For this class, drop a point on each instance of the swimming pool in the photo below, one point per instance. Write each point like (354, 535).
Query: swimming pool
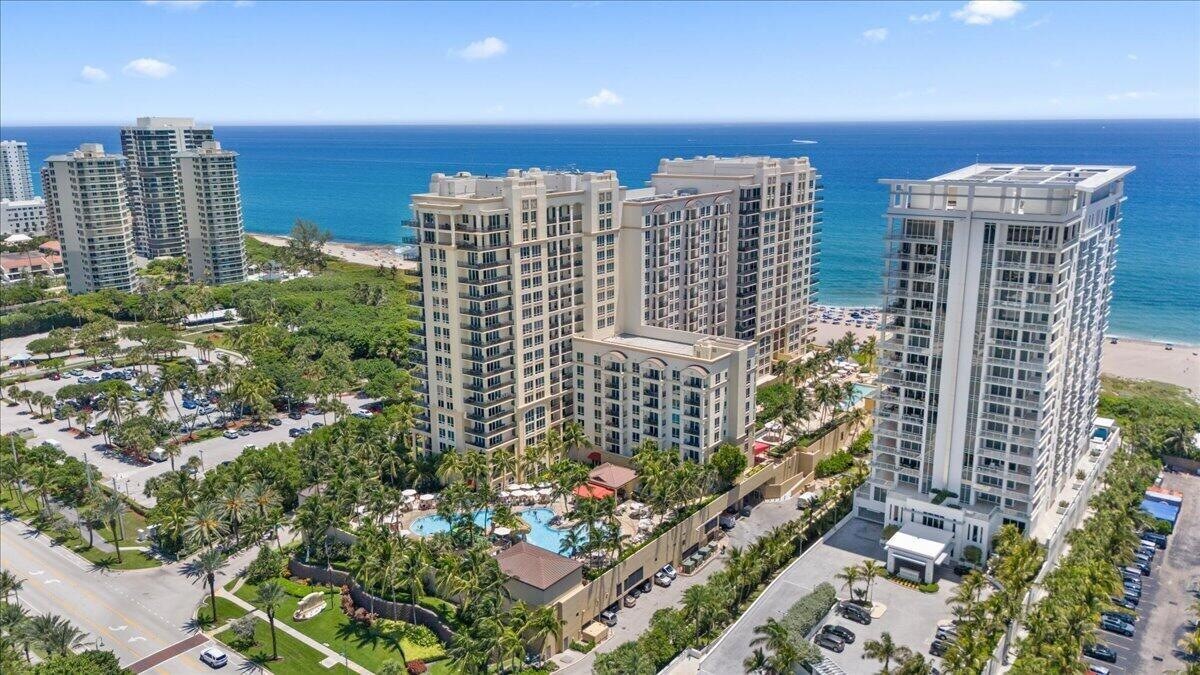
(541, 534)
(860, 392)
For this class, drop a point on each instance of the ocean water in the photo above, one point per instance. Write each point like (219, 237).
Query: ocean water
(356, 181)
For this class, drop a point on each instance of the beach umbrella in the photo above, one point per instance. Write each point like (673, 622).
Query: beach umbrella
(502, 531)
(409, 492)
(426, 498)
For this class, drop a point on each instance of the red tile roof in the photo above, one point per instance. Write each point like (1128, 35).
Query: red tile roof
(534, 565)
(611, 476)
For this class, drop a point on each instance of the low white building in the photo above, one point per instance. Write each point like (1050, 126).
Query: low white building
(23, 216)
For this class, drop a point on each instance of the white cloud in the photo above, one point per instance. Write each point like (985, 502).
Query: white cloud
(481, 49)
(927, 17)
(984, 12)
(92, 74)
(1038, 22)
(1132, 57)
(875, 34)
(175, 4)
(152, 68)
(1131, 95)
(602, 98)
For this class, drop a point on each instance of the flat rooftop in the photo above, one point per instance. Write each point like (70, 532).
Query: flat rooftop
(1084, 177)
(652, 344)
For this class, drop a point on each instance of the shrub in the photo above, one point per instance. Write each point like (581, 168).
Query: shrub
(890, 531)
(809, 610)
(582, 647)
(416, 667)
(861, 445)
(243, 632)
(267, 565)
(834, 464)
(973, 554)
(1163, 527)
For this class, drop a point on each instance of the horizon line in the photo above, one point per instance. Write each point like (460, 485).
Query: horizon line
(644, 122)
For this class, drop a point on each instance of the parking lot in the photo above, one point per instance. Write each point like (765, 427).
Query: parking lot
(1162, 612)
(911, 616)
(130, 475)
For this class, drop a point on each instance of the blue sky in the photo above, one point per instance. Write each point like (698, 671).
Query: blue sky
(313, 62)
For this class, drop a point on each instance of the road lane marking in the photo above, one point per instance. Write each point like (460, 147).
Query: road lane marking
(118, 628)
(137, 638)
(52, 581)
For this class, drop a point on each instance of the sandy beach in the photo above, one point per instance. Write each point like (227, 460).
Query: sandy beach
(1134, 359)
(363, 254)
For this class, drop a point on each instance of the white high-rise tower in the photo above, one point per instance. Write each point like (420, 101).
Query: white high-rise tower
(16, 183)
(85, 204)
(212, 214)
(150, 147)
(997, 288)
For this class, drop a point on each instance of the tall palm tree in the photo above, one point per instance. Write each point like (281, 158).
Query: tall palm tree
(773, 635)
(10, 584)
(871, 570)
(849, 576)
(269, 597)
(111, 511)
(54, 634)
(205, 525)
(756, 663)
(207, 565)
(233, 505)
(885, 650)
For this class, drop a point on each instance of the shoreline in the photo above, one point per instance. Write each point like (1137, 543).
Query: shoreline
(372, 255)
(1130, 358)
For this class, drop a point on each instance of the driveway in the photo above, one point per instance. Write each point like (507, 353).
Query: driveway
(910, 616)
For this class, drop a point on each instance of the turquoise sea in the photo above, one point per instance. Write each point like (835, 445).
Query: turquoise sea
(356, 180)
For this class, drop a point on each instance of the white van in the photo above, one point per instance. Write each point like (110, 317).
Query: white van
(158, 454)
(806, 500)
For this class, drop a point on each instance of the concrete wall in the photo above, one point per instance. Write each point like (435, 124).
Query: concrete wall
(580, 607)
(401, 611)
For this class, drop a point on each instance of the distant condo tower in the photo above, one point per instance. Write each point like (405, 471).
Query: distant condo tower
(16, 183)
(86, 204)
(212, 214)
(997, 287)
(150, 148)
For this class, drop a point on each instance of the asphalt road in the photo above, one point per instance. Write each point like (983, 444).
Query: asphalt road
(135, 613)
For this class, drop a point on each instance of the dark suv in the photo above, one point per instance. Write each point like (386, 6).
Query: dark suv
(842, 632)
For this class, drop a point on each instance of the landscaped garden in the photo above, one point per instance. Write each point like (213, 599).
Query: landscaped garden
(295, 657)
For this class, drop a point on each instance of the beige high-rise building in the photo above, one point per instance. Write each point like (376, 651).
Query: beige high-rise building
(86, 204)
(744, 267)
(150, 147)
(997, 286)
(212, 214)
(552, 296)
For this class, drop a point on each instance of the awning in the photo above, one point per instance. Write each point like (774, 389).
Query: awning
(921, 542)
(593, 491)
(594, 456)
(761, 447)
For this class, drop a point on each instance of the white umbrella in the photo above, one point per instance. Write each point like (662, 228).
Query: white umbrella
(18, 238)
(409, 498)
(502, 531)
(409, 492)
(426, 498)
(504, 494)
(543, 486)
(545, 492)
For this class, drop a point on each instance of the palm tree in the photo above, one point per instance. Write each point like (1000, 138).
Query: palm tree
(269, 597)
(10, 584)
(112, 511)
(871, 570)
(849, 576)
(885, 651)
(205, 526)
(208, 564)
(233, 505)
(756, 663)
(574, 437)
(54, 634)
(773, 635)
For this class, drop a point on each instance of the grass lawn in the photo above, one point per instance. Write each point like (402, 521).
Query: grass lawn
(295, 657)
(226, 610)
(331, 627)
(72, 538)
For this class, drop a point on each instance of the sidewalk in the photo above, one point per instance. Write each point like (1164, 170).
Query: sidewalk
(331, 657)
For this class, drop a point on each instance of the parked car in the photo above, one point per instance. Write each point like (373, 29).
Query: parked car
(274, 421)
(296, 414)
(243, 432)
(854, 612)
(214, 658)
(946, 633)
(646, 586)
(630, 600)
(1122, 602)
(75, 372)
(842, 632)
(1114, 625)
(230, 434)
(1133, 599)
(1127, 617)
(362, 415)
(189, 404)
(295, 432)
(317, 425)
(661, 579)
(1159, 540)
(939, 647)
(1100, 652)
(54, 376)
(609, 616)
(669, 570)
(830, 642)
(726, 522)
(158, 454)
(1097, 670)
